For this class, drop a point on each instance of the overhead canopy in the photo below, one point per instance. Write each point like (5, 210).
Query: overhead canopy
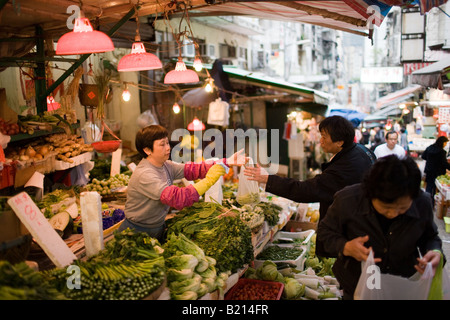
(384, 113)
(276, 84)
(434, 75)
(398, 96)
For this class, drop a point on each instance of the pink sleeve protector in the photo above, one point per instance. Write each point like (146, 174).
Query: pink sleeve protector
(194, 171)
(179, 198)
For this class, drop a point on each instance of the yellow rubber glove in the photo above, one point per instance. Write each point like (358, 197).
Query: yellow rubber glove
(213, 174)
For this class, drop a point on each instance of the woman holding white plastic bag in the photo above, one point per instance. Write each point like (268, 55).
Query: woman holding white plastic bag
(387, 213)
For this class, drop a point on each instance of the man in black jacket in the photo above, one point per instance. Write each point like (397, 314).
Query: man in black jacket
(388, 213)
(348, 165)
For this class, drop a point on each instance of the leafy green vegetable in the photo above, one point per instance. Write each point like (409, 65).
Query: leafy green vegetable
(184, 261)
(292, 289)
(191, 284)
(179, 275)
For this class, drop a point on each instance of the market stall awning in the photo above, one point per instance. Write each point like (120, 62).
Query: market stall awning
(434, 75)
(384, 113)
(398, 96)
(276, 84)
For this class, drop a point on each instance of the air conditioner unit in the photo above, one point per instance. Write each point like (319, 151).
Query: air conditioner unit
(207, 50)
(171, 49)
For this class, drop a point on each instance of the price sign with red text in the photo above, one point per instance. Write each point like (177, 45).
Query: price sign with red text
(41, 230)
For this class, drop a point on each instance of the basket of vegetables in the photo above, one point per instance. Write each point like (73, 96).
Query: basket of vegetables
(294, 256)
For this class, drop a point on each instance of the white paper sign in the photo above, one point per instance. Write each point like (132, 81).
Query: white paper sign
(41, 230)
(115, 162)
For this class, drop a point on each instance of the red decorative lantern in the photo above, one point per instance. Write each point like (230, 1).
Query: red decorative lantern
(196, 125)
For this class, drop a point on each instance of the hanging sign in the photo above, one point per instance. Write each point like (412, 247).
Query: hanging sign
(41, 230)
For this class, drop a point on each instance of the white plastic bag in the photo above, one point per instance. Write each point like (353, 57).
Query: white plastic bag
(374, 285)
(215, 193)
(248, 190)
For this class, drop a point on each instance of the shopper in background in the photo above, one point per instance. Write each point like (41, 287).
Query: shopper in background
(349, 162)
(391, 146)
(151, 192)
(404, 139)
(436, 163)
(388, 213)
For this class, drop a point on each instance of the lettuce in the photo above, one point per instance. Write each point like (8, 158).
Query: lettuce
(183, 261)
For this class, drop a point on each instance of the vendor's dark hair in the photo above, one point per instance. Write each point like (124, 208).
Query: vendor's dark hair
(339, 129)
(440, 141)
(391, 178)
(146, 136)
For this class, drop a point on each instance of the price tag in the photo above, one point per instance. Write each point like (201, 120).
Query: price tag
(41, 230)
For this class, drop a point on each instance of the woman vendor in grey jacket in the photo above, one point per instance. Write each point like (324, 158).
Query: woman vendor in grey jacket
(151, 192)
(388, 213)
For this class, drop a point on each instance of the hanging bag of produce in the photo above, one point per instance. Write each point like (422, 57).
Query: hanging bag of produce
(248, 190)
(374, 285)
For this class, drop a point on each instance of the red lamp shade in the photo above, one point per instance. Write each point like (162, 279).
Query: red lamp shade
(139, 60)
(83, 39)
(181, 74)
(196, 125)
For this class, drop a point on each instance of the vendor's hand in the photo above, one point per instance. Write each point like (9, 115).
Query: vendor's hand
(256, 174)
(213, 174)
(237, 159)
(355, 248)
(431, 256)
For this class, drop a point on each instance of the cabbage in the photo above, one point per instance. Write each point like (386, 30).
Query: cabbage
(180, 243)
(211, 260)
(187, 295)
(202, 290)
(193, 284)
(183, 261)
(292, 289)
(209, 273)
(179, 275)
(268, 271)
(202, 265)
(210, 283)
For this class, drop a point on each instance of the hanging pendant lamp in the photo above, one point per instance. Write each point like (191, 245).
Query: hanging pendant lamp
(181, 74)
(83, 39)
(139, 60)
(196, 125)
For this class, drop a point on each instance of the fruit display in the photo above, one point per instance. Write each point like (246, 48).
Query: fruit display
(8, 128)
(108, 186)
(62, 145)
(444, 180)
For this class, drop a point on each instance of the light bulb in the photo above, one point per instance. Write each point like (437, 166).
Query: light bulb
(176, 108)
(126, 95)
(198, 64)
(208, 87)
(196, 122)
